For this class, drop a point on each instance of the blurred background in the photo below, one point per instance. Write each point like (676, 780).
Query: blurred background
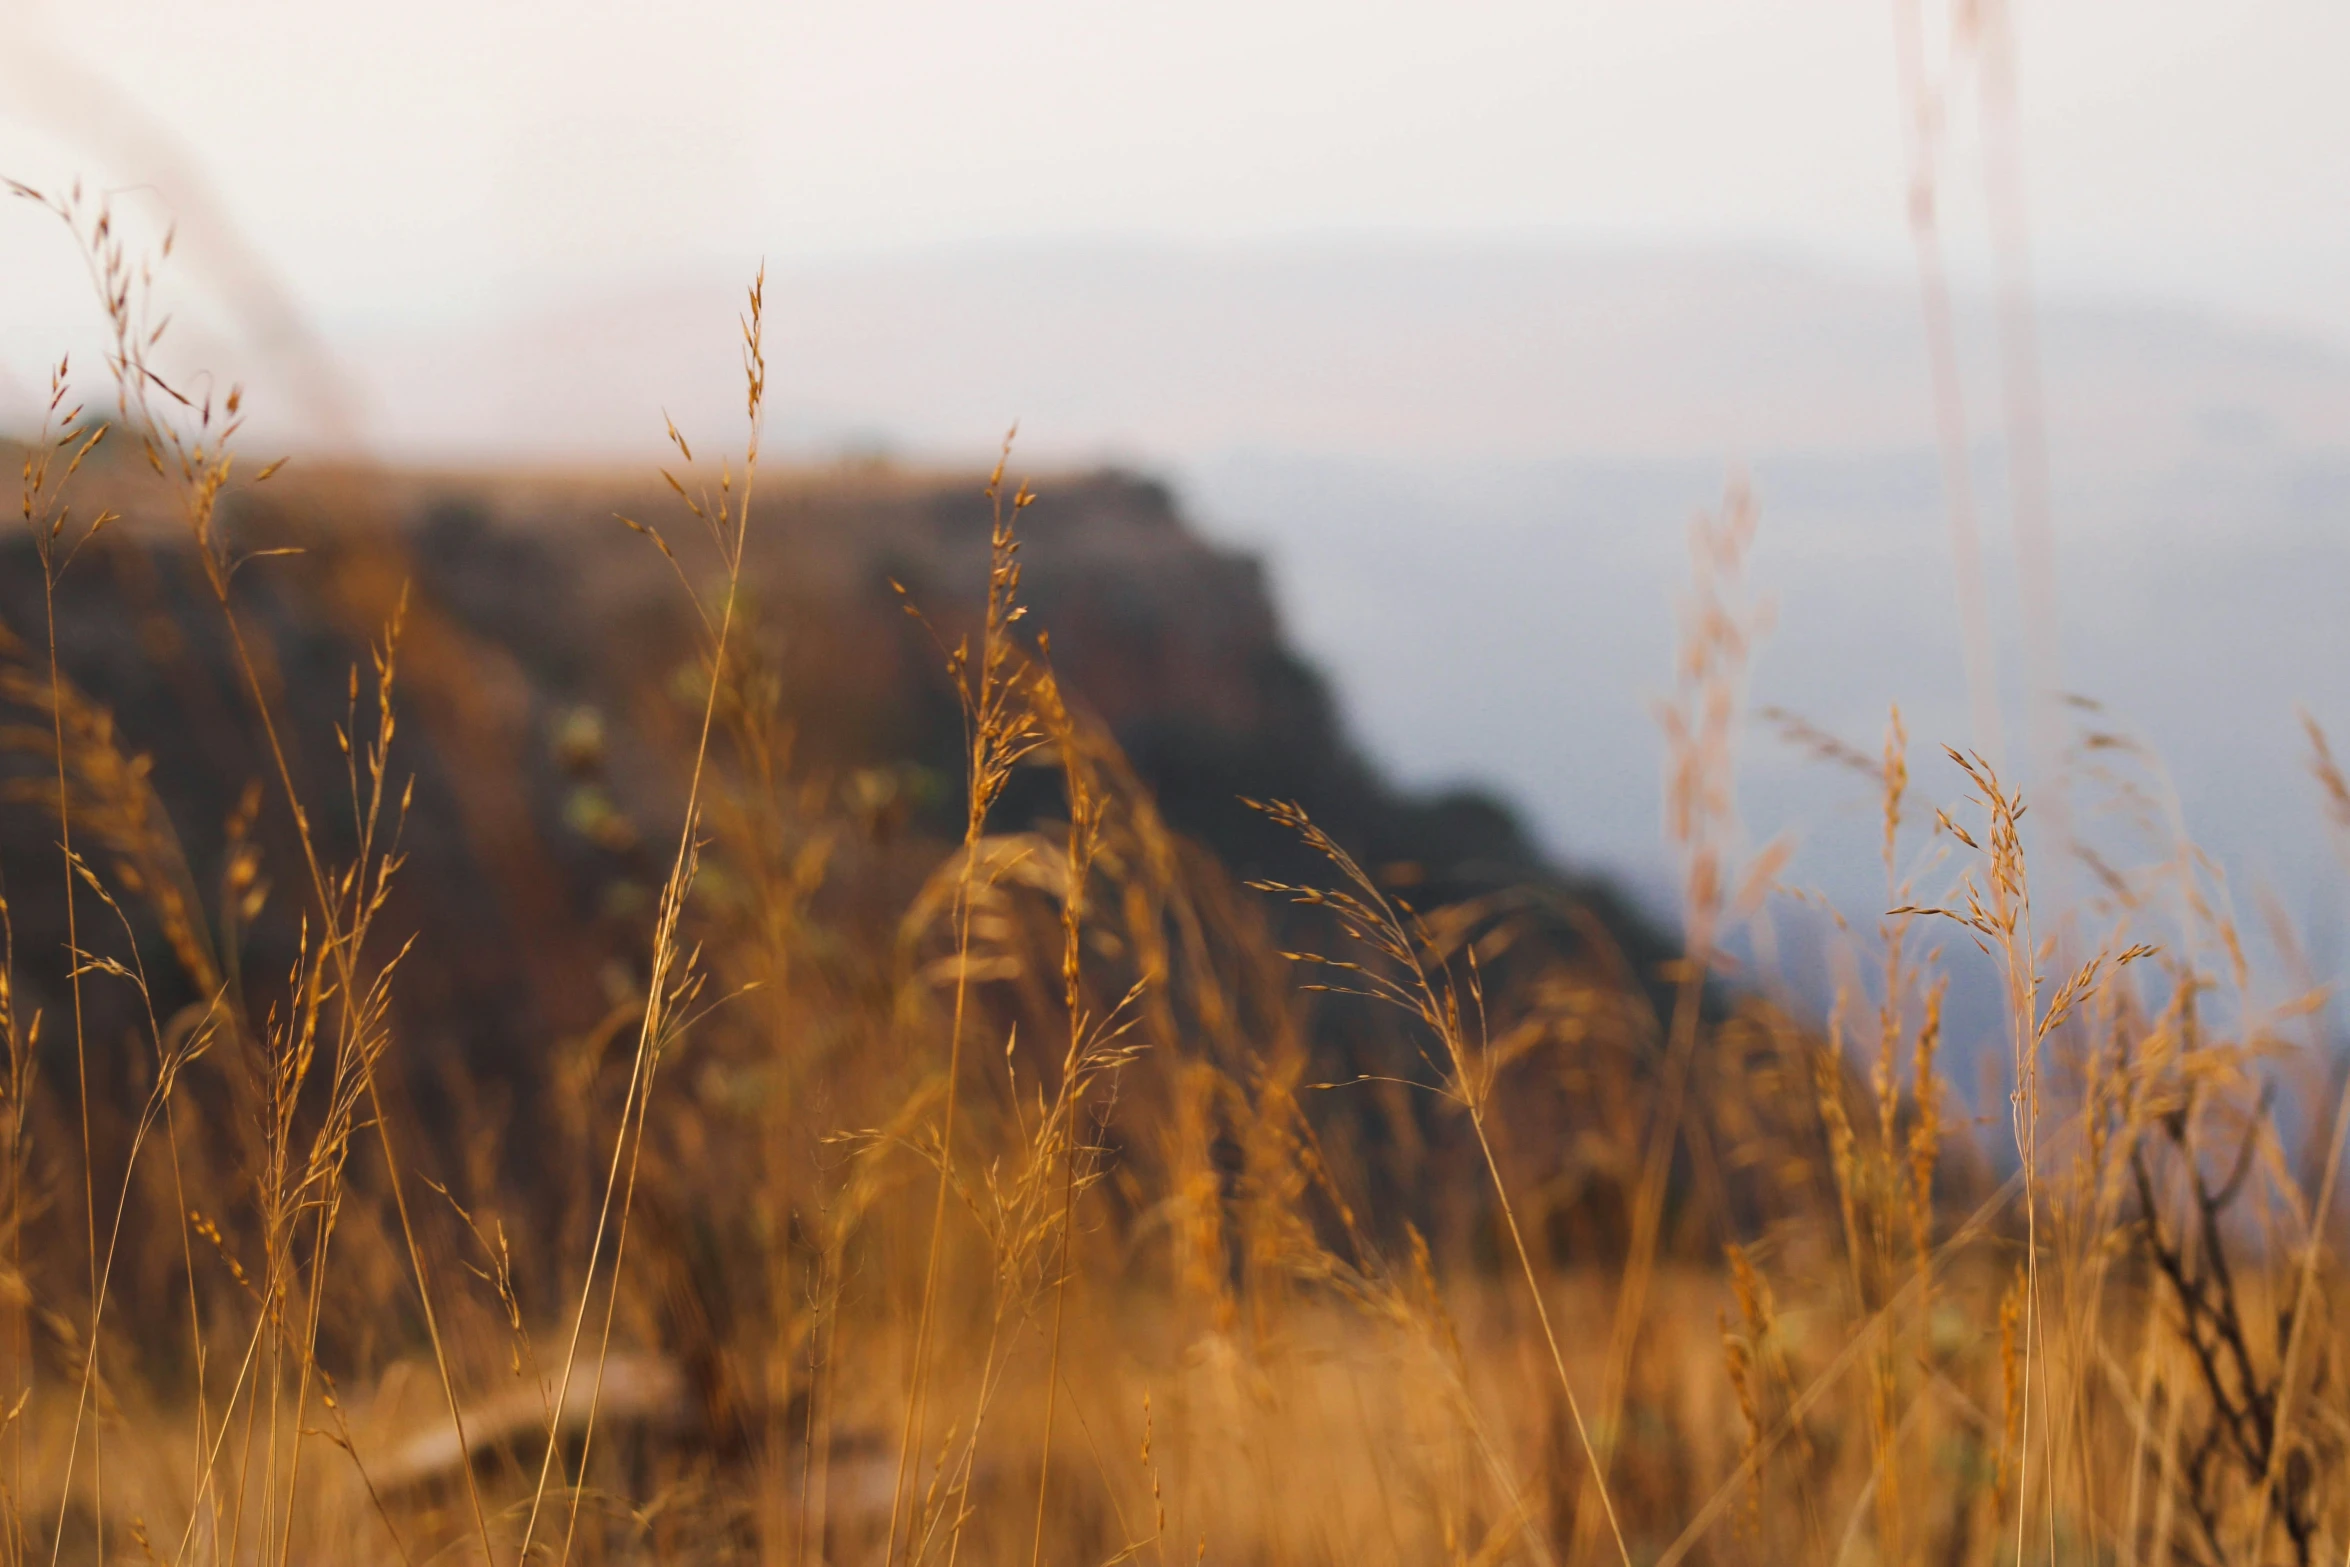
(1455, 315)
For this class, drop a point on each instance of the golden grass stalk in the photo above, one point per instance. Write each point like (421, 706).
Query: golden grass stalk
(1401, 975)
(1000, 731)
(1720, 627)
(65, 442)
(674, 981)
(188, 441)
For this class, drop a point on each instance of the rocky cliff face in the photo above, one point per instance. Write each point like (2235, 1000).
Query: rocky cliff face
(1172, 642)
(545, 651)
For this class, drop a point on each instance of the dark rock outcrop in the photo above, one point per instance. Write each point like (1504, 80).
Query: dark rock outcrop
(544, 651)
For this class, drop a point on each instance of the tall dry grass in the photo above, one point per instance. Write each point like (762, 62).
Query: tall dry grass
(1062, 1214)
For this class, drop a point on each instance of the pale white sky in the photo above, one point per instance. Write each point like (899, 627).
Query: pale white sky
(423, 159)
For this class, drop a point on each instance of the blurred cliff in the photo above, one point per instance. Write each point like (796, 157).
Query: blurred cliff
(545, 651)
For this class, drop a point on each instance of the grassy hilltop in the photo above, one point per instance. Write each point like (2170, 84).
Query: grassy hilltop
(871, 1016)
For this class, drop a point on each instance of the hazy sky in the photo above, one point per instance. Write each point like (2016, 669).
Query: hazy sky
(436, 156)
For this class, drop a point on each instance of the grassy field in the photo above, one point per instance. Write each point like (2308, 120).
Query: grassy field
(995, 1200)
